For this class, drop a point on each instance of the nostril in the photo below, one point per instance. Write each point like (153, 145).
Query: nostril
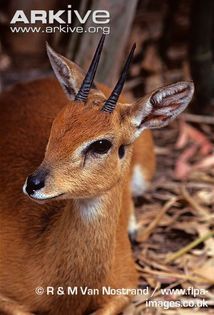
(34, 183)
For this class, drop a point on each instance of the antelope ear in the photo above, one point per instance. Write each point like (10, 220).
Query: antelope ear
(161, 106)
(69, 74)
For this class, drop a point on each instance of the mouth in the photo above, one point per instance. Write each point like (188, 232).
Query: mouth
(42, 198)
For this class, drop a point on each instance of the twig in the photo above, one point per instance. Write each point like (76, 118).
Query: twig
(198, 118)
(154, 264)
(197, 279)
(144, 235)
(204, 212)
(187, 248)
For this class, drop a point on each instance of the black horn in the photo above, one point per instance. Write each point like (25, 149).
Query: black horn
(112, 100)
(88, 81)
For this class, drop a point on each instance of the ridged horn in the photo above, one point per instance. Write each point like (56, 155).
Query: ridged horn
(88, 81)
(111, 102)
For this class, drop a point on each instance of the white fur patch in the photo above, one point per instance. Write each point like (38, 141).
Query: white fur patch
(133, 226)
(90, 208)
(138, 183)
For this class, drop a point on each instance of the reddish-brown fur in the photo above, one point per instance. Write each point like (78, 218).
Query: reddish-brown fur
(82, 240)
(31, 255)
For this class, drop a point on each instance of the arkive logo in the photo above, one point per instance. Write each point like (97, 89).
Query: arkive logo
(63, 21)
(61, 16)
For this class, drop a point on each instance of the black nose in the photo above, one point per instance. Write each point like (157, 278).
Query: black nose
(35, 182)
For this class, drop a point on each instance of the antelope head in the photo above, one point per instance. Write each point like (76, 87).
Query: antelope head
(91, 139)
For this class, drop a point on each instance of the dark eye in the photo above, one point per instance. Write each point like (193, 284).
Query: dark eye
(100, 146)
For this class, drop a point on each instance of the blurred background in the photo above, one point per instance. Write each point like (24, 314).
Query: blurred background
(174, 42)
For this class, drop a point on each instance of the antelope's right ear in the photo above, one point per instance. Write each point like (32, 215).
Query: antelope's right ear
(69, 74)
(160, 107)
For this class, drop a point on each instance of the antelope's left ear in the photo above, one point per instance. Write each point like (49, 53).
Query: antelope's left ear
(68, 73)
(160, 107)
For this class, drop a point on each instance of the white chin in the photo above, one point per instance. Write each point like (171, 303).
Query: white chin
(41, 198)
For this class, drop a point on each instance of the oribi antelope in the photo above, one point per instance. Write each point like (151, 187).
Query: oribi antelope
(87, 150)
